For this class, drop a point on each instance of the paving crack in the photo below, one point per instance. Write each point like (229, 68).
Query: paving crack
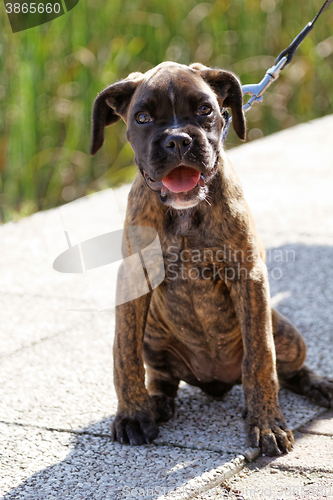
(56, 429)
(33, 344)
(37, 296)
(106, 435)
(301, 469)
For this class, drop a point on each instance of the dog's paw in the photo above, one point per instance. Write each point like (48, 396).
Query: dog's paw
(134, 428)
(164, 407)
(271, 434)
(319, 390)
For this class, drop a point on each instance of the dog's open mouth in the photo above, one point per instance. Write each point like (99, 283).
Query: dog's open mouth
(183, 187)
(181, 179)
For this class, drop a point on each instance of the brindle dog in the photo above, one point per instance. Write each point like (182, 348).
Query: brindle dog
(214, 328)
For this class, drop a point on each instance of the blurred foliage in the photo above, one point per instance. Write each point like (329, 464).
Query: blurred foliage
(50, 75)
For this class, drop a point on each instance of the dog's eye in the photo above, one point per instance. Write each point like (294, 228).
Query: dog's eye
(205, 109)
(143, 118)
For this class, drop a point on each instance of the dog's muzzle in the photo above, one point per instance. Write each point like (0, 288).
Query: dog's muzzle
(180, 180)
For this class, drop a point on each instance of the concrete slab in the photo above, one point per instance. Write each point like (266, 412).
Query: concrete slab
(306, 473)
(27, 450)
(287, 179)
(66, 383)
(56, 372)
(304, 294)
(26, 248)
(322, 425)
(201, 422)
(310, 453)
(273, 484)
(27, 319)
(45, 465)
(26, 265)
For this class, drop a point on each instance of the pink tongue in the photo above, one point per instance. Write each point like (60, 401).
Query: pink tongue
(181, 179)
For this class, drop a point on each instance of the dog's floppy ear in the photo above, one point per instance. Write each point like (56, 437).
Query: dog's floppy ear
(229, 94)
(111, 105)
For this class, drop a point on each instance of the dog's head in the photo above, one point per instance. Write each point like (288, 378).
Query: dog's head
(174, 125)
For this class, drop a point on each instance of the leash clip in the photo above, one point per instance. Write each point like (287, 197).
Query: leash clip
(256, 90)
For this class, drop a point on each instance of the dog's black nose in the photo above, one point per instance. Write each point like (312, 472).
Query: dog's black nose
(179, 142)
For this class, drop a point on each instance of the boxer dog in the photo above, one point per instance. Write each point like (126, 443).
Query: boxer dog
(214, 327)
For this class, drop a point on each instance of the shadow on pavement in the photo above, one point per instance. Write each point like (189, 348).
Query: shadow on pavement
(96, 468)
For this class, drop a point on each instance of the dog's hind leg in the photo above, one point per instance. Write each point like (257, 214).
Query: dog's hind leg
(163, 390)
(290, 356)
(289, 346)
(162, 385)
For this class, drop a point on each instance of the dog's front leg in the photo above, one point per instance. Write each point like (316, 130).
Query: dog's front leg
(265, 424)
(135, 422)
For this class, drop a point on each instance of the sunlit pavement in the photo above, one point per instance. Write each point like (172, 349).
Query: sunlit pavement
(57, 397)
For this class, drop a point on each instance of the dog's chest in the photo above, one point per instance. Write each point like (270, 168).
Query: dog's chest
(190, 263)
(194, 299)
(195, 317)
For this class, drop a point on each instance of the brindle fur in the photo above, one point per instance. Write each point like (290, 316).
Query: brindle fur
(212, 333)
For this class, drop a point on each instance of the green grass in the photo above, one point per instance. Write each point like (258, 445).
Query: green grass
(50, 75)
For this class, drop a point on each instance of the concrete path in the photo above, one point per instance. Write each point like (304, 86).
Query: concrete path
(304, 474)
(56, 392)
